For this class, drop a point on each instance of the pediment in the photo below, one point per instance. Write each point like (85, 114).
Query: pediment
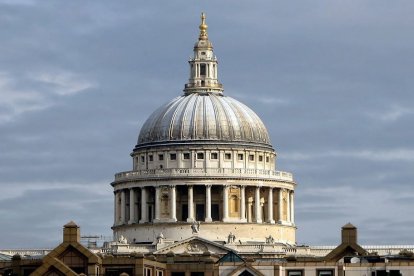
(194, 246)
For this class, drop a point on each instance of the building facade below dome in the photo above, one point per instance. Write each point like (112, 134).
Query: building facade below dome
(204, 166)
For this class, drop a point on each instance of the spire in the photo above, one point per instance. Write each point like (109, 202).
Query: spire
(203, 28)
(203, 65)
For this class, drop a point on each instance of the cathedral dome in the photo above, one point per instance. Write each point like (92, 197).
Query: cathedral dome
(201, 117)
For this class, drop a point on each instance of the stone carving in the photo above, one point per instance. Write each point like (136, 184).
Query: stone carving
(122, 240)
(231, 238)
(195, 227)
(270, 239)
(160, 238)
(196, 247)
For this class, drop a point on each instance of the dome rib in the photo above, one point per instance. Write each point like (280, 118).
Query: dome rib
(204, 117)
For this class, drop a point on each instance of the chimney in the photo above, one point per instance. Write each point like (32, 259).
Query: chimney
(349, 234)
(71, 232)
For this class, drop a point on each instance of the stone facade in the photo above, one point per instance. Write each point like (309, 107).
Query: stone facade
(206, 158)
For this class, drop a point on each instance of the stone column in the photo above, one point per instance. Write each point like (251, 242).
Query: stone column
(280, 209)
(115, 208)
(288, 206)
(270, 206)
(190, 204)
(243, 203)
(131, 206)
(292, 207)
(173, 207)
(157, 203)
(257, 209)
(225, 203)
(208, 204)
(144, 217)
(249, 210)
(122, 207)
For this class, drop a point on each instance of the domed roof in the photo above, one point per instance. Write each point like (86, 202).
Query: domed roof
(204, 116)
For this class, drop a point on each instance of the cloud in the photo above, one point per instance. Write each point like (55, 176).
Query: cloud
(63, 84)
(21, 94)
(393, 113)
(399, 154)
(17, 2)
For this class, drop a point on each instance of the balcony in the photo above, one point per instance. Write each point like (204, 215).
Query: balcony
(204, 173)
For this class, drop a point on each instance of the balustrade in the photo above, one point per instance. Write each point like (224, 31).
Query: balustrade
(203, 172)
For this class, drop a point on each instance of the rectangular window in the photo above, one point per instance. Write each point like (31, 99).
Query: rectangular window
(186, 156)
(214, 155)
(173, 156)
(160, 273)
(202, 69)
(324, 272)
(251, 157)
(294, 273)
(151, 158)
(200, 155)
(160, 157)
(267, 159)
(260, 158)
(240, 156)
(142, 158)
(227, 156)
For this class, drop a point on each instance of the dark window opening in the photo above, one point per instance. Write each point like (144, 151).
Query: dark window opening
(267, 159)
(200, 155)
(184, 212)
(200, 212)
(160, 157)
(186, 155)
(214, 155)
(251, 157)
(260, 158)
(173, 156)
(227, 156)
(240, 156)
(142, 158)
(215, 214)
(151, 158)
(202, 69)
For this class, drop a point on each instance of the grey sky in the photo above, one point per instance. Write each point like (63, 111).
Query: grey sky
(332, 80)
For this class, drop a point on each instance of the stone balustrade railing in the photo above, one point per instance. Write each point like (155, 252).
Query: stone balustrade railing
(204, 172)
(25, 252)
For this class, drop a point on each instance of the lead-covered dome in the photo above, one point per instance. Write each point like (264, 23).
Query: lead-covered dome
(208, 116)
(203, 113)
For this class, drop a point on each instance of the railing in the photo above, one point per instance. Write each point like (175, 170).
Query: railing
(204, 172)
(25, 252)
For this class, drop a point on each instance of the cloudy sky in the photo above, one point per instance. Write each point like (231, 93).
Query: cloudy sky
(332, 80)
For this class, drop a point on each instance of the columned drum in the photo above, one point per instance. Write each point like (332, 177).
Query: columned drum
(204, 166)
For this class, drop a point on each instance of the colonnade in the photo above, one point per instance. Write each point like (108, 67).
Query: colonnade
(259, 207)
